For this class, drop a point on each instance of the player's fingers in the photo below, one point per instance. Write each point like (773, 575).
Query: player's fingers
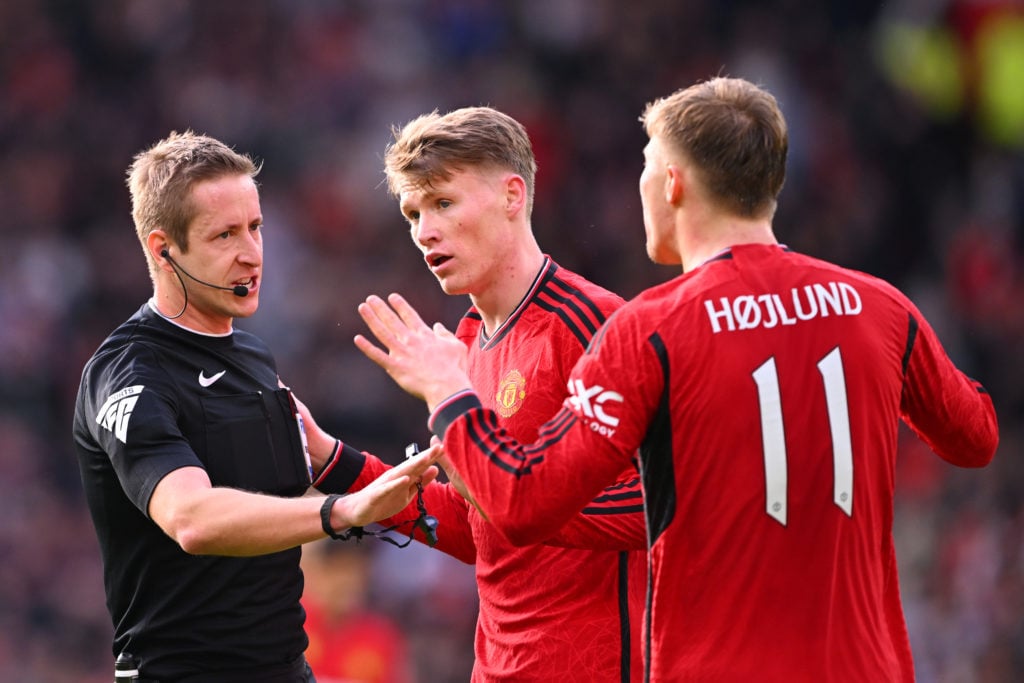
(372, 351)
(409, 315)
(382, 321)
(373, 321)
(443, 332)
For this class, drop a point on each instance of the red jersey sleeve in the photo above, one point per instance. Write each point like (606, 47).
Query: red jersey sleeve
(353, 470)
(496, 466)
(611, 521)
(950, 412)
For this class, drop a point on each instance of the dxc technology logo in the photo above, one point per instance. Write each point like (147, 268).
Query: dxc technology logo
(592, 401)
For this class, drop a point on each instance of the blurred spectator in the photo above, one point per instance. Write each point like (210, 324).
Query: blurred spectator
(349, 642)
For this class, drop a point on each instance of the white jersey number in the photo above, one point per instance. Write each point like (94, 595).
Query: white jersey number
(773, 435)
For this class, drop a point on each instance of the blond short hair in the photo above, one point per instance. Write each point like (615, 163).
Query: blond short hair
(431, 146)
(734, 134)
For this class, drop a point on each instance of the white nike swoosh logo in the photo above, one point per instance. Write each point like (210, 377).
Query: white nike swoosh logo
(207, 381)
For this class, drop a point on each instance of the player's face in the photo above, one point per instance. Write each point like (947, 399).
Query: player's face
(658, 217)
(225, 248)
(461, 225)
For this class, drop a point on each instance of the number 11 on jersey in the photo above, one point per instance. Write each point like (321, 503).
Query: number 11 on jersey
(773, 435)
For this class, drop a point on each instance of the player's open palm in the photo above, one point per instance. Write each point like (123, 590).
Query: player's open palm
(428, 362)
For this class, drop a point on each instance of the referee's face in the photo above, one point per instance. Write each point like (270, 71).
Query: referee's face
(225, 250)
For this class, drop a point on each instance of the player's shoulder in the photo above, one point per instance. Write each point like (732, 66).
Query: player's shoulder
(571, 304)
(469, 325)
(866, 283)
(564, 288)
(655, 309)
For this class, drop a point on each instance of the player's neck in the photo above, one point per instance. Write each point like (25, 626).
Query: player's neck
(507, 288)
(698, 246)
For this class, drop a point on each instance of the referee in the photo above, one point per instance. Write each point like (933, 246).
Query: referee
(191, 454)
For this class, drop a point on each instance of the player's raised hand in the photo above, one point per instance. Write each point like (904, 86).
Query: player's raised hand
(429, 363)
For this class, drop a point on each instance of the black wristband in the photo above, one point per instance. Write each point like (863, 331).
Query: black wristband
(325, 516)
(341, 470)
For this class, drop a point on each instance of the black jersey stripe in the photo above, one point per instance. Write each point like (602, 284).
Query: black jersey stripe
(578, 311)
(556, 423)
(597, 317)
(629, 484)
(478, 434)
(520, 461)
(911, 338)
(584, 337)
(491, 439)
(623, 510)
(546, 271)
(569, 302)
(552, 436)
(633, 494)
(656, 457)
(621, 498)
(624, 630)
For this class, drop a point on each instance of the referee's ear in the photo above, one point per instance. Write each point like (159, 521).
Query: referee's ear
(159, 248)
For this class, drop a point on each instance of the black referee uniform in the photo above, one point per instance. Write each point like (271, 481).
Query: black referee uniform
(156, 397)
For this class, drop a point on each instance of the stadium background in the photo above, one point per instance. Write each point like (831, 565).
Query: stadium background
(907, 129)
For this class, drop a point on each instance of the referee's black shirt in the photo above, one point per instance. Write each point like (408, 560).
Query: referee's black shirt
(156, 397)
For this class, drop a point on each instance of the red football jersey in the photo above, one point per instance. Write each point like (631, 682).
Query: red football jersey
(763, 391)
(548, 612)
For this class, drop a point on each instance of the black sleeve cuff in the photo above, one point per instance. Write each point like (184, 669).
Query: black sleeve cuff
(341, 471)
(450, 410)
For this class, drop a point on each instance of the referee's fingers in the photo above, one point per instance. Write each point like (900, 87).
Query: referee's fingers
(418, 465)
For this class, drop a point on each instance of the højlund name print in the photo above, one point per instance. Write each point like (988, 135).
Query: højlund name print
(751, 311)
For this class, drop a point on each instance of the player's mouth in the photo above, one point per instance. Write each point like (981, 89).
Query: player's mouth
(435, 261)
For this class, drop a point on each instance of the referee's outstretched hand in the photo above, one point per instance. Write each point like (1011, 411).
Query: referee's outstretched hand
(428, 362)
(389, 493)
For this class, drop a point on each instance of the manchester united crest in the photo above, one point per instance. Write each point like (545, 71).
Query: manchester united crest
(511, 392)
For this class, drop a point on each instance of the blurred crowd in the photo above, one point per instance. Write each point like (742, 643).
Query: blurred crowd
(907, 161)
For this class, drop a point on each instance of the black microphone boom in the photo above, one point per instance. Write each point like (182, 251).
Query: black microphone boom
(237, 290)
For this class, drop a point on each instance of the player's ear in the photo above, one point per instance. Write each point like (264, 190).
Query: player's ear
(675, 184)
(515, 193)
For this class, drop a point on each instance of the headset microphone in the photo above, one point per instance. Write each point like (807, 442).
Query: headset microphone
(237, 290)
